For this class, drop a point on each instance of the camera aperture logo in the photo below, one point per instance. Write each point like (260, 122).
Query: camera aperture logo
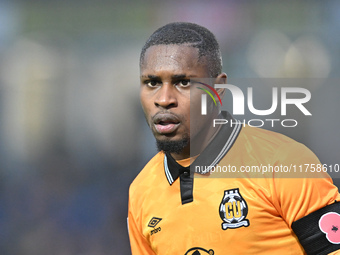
(204, 97)
(239, 100)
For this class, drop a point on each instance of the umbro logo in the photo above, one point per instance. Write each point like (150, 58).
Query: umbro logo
(153, 223)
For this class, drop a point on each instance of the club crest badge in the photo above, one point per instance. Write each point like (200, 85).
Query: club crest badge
(233, 210)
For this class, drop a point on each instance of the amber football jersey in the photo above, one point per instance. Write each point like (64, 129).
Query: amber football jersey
(177, 209)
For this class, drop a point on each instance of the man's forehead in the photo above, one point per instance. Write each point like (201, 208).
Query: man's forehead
(170, 52)
(176, 57)
(167, 49)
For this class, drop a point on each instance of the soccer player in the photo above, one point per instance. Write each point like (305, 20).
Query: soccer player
(173, 212)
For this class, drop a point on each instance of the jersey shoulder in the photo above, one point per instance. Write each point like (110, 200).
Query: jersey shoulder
(263, 136)
(149, 174)
(264, 147)
(268, 142)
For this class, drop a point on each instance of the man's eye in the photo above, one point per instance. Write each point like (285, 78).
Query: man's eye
(184, 83)
(151, 83)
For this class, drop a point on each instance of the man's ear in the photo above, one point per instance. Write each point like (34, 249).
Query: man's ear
(221, 79)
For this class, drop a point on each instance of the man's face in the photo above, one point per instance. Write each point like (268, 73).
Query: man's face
(165, 91)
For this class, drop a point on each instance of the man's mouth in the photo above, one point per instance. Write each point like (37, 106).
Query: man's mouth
(165, 123)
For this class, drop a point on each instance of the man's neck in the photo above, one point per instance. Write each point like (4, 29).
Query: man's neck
(199, 143)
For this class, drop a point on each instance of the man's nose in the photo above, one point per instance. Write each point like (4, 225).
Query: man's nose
(166, 96)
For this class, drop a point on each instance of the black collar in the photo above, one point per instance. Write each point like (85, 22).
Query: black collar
(211, 155)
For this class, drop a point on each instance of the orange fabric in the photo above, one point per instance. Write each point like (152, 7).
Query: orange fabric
(273, 200)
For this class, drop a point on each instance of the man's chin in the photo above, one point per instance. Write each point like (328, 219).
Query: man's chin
(172, 146)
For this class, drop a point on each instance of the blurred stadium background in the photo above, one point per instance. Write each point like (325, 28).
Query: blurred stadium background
(72, 131)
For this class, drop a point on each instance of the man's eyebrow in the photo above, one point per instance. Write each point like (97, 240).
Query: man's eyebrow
(178, 76)
(175, 76)
(150, 76)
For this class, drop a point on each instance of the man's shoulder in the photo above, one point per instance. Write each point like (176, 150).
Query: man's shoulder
(270, 144)
(265, 135)
(266, 139)
(148, 174)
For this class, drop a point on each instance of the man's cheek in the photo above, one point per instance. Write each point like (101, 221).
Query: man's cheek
(195, 109)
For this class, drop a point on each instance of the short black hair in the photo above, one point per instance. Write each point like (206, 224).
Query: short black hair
(189, 34)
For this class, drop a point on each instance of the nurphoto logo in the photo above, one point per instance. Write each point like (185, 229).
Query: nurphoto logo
(239, 105)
